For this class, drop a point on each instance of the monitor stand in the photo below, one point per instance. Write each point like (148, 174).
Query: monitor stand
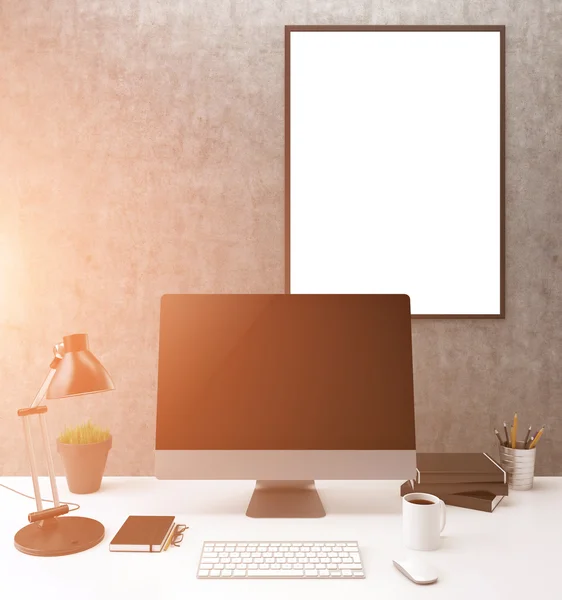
(285, 499)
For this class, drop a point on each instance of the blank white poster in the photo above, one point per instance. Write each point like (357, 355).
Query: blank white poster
(395, 167)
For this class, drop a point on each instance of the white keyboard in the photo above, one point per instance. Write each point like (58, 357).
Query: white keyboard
(280, 560)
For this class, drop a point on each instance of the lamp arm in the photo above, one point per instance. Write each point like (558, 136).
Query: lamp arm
(43, 389)
(35, 408)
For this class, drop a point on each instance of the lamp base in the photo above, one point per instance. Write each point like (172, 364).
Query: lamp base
(65, 535)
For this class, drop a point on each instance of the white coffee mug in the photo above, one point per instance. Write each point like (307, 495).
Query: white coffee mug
(423, 520)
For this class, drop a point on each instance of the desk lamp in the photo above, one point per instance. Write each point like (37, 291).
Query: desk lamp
(74, 371)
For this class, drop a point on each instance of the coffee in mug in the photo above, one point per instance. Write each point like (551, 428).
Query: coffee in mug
(423, 520)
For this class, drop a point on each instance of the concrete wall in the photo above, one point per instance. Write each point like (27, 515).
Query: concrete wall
(141, 153)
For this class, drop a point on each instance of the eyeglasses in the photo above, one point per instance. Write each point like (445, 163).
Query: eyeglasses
(177, 536)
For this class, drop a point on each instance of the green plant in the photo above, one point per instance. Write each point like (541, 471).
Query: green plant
(84, 434)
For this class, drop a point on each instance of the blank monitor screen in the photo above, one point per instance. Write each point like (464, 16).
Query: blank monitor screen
(285, 372)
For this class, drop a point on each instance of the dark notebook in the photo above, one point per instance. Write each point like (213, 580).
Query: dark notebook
(458, 467)
(499, 489)
(142, 534)
(475, 499)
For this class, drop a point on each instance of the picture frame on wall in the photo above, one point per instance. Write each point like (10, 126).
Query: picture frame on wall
(395, 165)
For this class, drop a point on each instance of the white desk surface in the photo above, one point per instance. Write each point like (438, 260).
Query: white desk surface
(513, 553)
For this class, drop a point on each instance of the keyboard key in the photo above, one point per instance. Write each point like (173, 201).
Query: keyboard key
(347, 573)
(335, 574)
(203, 573)
(239, 573)
(276, 573)
(226, 573)
(215, 573)
(311, 573)
(206, 566)
(323, 573)
(210, 554)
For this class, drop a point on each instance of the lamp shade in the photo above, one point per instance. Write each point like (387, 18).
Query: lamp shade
(78, 371)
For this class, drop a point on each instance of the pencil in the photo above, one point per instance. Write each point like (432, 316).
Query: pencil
(506, 434)
(527, 437)
(514, 432)
(537, 438)
(170, 537)
(499, 438)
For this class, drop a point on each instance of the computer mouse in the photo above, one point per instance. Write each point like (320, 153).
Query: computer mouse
(416, 570)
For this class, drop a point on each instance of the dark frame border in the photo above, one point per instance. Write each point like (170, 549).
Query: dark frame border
(498, 28)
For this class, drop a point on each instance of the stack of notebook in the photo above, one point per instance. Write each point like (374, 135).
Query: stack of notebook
(468, 480)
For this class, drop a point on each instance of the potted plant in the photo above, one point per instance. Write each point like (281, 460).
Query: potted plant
(83, 450)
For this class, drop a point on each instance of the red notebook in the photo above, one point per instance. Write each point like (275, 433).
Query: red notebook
(142, 534)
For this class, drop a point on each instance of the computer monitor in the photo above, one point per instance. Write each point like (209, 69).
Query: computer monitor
(285, 389)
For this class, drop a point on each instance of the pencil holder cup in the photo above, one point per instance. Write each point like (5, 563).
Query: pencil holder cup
(519, 464)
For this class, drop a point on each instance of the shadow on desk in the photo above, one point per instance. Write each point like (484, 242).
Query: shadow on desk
(201, 497)
(361, 502)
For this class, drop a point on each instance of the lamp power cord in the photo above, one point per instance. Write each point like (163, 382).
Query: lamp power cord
(42, 499)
